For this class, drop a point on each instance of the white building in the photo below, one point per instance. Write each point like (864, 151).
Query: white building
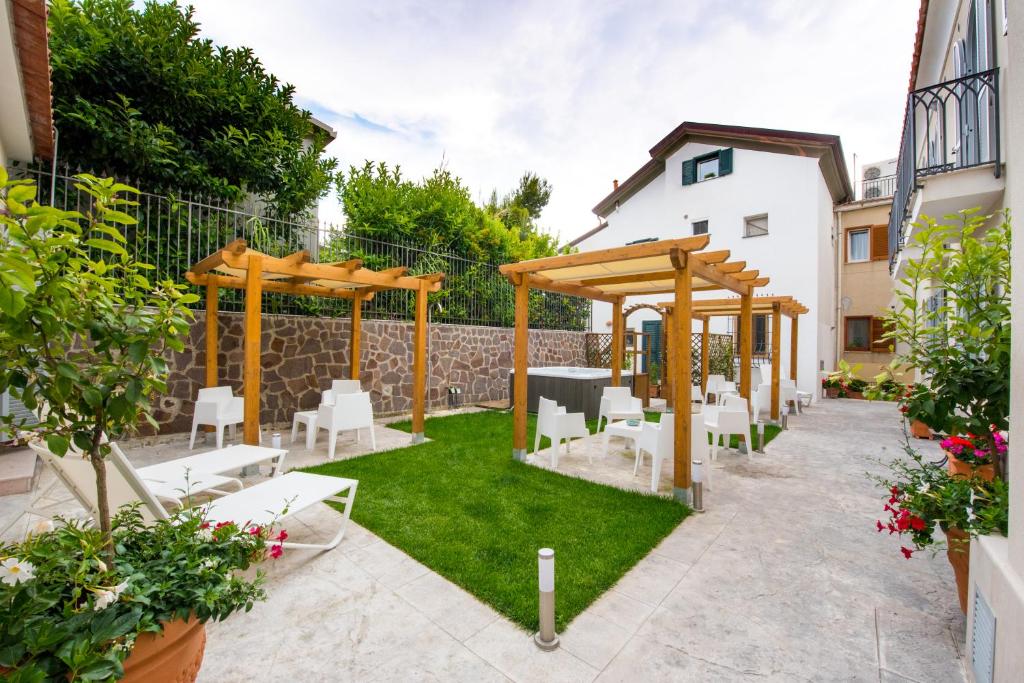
(766, 195)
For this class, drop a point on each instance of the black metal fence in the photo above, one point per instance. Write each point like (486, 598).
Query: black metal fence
(948, 126)
(175, 232)
(875, 188)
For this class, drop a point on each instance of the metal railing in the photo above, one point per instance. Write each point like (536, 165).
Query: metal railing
(948, 126)
(875, 188)
(173, 233)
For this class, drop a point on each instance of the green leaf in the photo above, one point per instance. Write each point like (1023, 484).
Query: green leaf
(106, 245)
(119, 217)
(57, 444)
(92, 396)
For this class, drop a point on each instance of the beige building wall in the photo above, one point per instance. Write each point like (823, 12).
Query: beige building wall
(865, 287)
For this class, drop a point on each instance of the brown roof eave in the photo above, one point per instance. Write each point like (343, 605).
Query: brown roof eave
(32, 40)
(633, 184)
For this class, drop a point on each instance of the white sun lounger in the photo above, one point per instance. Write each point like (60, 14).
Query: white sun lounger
(279, 498)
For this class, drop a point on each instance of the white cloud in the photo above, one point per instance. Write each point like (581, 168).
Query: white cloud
(575, 91)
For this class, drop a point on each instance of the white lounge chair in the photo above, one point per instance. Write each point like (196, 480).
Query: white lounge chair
(276, 499)
(218, 407)
(658, 441)
(340, 386)
(554, 423)
(726, 420)
(712, 387)
(349, 412)
(618, 403)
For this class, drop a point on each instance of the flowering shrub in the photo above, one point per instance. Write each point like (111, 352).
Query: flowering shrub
(922, 496)
(68, 613)
(975, 450)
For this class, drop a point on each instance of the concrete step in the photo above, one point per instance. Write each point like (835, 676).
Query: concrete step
(18, 471)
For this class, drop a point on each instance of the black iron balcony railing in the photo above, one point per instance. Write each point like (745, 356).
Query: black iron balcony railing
(948, 126)
(875, 188)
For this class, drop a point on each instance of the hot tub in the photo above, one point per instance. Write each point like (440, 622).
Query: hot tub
(578, 389)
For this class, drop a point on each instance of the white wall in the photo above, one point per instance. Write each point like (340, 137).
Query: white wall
(796, 254)
(15, 136)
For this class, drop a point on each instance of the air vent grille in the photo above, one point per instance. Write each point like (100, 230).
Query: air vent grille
(983, 640)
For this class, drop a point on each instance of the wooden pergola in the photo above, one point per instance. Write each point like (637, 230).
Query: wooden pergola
(679, 267)
(776, 306)
(236, 266)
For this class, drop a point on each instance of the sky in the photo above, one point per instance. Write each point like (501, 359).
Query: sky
(575, 91)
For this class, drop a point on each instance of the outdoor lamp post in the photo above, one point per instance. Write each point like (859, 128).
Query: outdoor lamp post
(546, 638)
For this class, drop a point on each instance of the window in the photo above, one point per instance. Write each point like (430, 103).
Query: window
(700, 227)
(760, 334)
(858, 244)
(707, 166)
(858, 333)
(755, 226)
(867, 243)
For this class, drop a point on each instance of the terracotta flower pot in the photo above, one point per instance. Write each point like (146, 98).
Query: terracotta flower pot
(959, 468)
(173, 656)
(850, 393)
(831, 392)
(959, 554)
(920, 430)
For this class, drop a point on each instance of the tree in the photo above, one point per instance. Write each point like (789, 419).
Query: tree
(952, 323)
(137, 94)
(520, 209)
(82, 330)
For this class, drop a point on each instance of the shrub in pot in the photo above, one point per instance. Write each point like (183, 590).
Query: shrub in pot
(923, 497)
(71, 613)
(971, 455)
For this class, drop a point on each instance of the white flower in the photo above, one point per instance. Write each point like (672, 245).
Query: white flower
(13, 571)
(209, 563)
(101, 564)
(43, 526)
(206, 534)
(107, 597)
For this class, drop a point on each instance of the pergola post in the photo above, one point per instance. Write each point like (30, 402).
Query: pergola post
(617, 340)
(664, 353)
(793, 329)
(356, 333)
(519, 362)
(212, 333)
(746, 342)
(670, 363)
(251, 369)
(704, 355)
(682, 414)
(776, 360)
(419, 364)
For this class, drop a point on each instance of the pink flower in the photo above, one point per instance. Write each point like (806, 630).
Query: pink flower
(255, 530)
(275, 551)
(880, 527)
(907, 552)
(281, 536)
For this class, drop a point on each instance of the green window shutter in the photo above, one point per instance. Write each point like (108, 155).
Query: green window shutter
(689, 172)
(725, 162)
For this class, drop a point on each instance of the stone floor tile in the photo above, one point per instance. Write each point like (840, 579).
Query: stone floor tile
(387, 564)
(447, 605)
(652, 579)
(918, 646)
(622, 610)
(513, 652)
(594, 639)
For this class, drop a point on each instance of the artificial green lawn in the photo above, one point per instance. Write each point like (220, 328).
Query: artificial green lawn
(462, 506)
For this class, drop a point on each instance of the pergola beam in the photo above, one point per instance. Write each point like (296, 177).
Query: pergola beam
(548, 285)
(235, 247)
(280, 286)
(633, 251)
(318, 271)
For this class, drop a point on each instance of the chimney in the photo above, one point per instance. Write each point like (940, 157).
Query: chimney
(615, 185)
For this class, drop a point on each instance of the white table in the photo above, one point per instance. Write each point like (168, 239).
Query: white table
(307, 418)
(625, 430)
(173, 478)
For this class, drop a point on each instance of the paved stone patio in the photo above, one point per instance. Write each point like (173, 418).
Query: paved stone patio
(782, 578)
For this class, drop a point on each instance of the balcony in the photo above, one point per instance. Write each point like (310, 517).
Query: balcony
(876, 188)
(948, 127)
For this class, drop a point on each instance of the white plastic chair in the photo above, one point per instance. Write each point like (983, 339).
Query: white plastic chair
(217, 407)
(349, 412)
(618, 403)
(695, 395)
(761, 401)
(756, 377)
(730, 418)
(340, 386)
(274, 500)
(554, 423)
(658, 440)
(725, 389)
(712, 387)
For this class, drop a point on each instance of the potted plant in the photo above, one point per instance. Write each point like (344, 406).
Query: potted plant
(923, 496)
(972, 455)
(952, 324)
(844, 380)
(833, 387)
(917, 405)
(83, 342)
(885, 387)
(856, 388)
(71, 614)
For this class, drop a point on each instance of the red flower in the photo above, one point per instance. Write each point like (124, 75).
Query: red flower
(895, 490)
(907, 552)
(204, 525)
(222, 524)
(255, 530)
(880, 527)
(275, 551)
(281, 536)
(917, 524)
(904, 409)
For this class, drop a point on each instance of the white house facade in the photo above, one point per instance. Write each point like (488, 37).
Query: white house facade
(768, 196)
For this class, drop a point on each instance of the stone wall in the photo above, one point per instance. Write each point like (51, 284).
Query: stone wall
(302, 355)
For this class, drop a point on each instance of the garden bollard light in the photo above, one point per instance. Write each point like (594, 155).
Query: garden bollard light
(760, 437)
(275, 440)
(697, 486)
(546, 638)
(785, 421)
